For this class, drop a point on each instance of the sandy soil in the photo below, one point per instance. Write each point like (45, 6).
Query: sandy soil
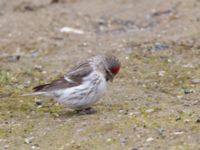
(152, 104)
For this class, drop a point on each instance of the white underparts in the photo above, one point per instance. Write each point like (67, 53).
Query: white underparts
(86, 94)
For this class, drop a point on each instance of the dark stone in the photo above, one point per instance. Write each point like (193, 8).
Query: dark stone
(159, 47)
(134, 149)
(198, 120)
(38, 102)
(54, 1)
(159, 13)
(179, 118)
(187, 91)
(13, 58)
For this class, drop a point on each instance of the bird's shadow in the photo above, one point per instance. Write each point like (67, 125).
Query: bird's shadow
(68, 113)
(59, 111)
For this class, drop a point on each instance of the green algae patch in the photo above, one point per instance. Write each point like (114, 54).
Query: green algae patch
(3, 133)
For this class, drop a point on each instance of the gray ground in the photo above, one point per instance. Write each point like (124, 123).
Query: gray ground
(152, 104)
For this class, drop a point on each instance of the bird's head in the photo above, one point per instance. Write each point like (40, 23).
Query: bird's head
(112, 67)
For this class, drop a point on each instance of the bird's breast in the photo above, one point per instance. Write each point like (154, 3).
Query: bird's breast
(87, 93)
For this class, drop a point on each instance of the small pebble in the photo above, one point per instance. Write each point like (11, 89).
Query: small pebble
(186, 120)
(38, 68)
(198, 120)
(108, 140)
(27, 83)
(44, 72)
(130, 114)
(134, 149)
(160, 131)
(6, 146)
(54, 1)
(169, 60)
(71, 30)
(161, 73)
(149, 110)
(179, 118)
(159, 46)
(188, 91)
(179, 96)
(188, 66)
(178, 133)
(195, 81)
(137, 113)
(38, 102)
(72, 142)
(124, 140)
(28, 140)
(121, 111)
(33, 147)
(13, 58)
(150, 139)
(127, 58)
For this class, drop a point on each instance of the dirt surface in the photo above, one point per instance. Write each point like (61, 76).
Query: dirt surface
(152, 104)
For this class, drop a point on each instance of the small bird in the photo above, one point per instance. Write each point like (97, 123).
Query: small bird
(84, 84)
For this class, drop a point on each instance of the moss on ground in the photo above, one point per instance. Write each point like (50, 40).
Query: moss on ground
(152, 103)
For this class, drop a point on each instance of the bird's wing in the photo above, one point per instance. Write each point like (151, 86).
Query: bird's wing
(72, 78)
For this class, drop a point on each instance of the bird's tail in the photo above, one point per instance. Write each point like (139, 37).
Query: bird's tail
(38, 91)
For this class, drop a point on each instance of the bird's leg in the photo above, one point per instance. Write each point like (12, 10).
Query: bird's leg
(85, 111)
(90, 110)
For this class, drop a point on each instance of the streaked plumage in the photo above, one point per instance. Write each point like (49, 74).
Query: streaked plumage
(84, 84)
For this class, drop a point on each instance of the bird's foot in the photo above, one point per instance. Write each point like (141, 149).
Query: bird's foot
(86, 111)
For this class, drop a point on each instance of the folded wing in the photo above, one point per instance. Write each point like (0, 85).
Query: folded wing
(73, 78)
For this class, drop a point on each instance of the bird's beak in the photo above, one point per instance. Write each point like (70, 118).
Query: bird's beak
(110, 77)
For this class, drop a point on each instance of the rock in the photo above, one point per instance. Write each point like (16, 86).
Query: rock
(71, 30)
(26, 84)
(150, 139)
(161, 73)
(122, 111)
(188, 91)
(27, 6)
(124, 140)
(160, 13)
(178, 133)
(38, 102)
(188, 65)
(54, 1)
(149, 110)
(160, 131)
(198, 120)
(38, 68)
(35, 146)
(6, 146)
(159, 47)
(186, 120)
(28, 140)
(131, 114)
(109, 140)
(179, 118)
(13, 58)
(134, 149)
(195, 81)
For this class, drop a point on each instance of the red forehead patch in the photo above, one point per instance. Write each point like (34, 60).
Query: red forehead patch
(115, 70)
